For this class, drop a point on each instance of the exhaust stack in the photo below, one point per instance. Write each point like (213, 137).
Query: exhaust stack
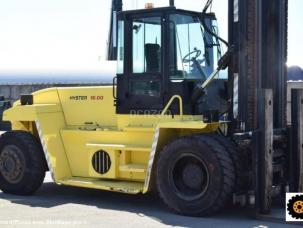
(113, 30)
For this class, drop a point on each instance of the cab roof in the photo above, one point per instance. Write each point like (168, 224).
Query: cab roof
(169, 10)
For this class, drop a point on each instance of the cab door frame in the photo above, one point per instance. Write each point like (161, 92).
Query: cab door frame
(127, 103)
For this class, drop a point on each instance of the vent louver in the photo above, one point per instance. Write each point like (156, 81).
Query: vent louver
(101, 162)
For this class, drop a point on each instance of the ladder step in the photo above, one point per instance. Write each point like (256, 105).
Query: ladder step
(129, 187)
(119, 147)
(135, 168)
(139, 129)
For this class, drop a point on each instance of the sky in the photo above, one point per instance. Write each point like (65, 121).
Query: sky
(38, 35)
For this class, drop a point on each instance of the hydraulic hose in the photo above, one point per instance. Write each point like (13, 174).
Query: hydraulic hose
(208, 4)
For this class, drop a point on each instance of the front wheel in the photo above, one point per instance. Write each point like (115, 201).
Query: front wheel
(22, 163)
(195, 175)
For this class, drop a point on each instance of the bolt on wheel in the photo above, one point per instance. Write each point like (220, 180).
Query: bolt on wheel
(189, 177)
(12, 164)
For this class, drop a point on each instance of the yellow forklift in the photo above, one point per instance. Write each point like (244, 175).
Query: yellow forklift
(171, 122)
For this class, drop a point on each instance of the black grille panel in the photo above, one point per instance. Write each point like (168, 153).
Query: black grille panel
(101, 162)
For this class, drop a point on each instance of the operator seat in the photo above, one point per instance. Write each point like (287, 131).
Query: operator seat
(153, 57)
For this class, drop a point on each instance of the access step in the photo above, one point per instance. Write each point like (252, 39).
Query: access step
(134, 168)
(129, 187)
(119, 147)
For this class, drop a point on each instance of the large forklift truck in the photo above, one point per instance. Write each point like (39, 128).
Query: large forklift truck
(168, 123)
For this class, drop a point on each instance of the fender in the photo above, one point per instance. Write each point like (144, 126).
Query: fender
(165, 133)
(29, 112)
(48, 119)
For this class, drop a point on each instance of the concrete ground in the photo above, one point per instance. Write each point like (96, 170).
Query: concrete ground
(62, 206)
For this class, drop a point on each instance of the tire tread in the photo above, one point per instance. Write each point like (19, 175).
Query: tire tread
(228, 173)
(35, 174)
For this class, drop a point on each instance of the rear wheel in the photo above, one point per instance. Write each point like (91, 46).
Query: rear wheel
(22, 164)
(195, 175)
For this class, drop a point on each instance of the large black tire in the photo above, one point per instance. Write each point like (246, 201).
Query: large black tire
(239, 161)
(204, 185)
(22, 163)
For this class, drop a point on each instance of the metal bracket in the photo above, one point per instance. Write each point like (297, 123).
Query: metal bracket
(296, 152)
(263, 150)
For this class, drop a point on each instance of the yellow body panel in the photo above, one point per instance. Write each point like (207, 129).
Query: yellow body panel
(82, 105)
(74, 123)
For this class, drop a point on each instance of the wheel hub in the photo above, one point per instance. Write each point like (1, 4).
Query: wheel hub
(12, 164)
(192, 176)
(189, 177)
(8, 165)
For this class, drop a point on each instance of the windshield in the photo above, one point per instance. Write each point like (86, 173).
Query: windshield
(193, 53)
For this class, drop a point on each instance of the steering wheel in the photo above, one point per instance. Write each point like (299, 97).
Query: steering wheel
(197, 63)
(197, 53)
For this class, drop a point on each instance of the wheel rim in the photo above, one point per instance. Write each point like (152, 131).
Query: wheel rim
(189, 177)
(12, 164)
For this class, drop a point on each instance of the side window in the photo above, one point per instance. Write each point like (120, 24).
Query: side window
(120, 55)
(146, 45)
(145, 88)
(188, 57)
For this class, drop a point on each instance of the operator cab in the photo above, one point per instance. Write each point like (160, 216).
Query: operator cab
(164, 52)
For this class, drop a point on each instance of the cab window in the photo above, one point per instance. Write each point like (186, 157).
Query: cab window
(146, 43)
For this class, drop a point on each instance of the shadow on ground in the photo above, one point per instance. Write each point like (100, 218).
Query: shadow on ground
(52, 195)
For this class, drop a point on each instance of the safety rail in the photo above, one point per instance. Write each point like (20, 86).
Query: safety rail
(172, 99)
